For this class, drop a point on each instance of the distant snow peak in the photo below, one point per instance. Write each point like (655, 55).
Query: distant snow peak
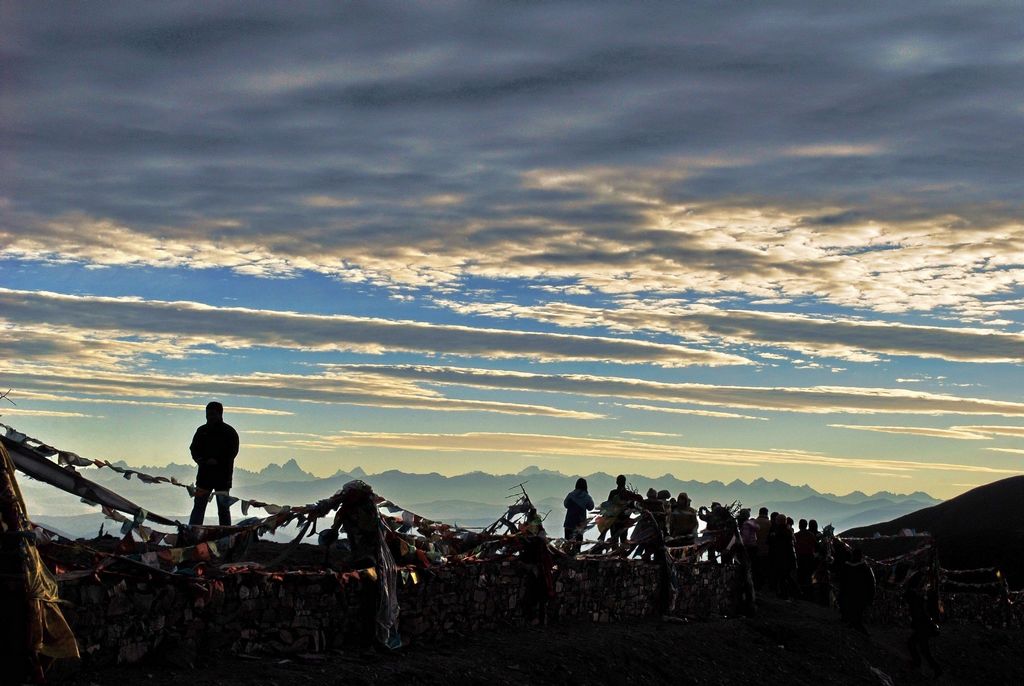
(289, 471)
(534, 470)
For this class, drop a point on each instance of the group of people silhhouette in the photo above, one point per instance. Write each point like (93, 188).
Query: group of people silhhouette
(792, 564)
(801, 563)
(673, 518)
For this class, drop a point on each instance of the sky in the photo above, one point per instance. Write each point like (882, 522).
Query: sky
(739, 240)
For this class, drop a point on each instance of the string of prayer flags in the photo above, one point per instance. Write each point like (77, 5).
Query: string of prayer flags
(65, 458)
(400, 518)
(965, 572)
(150, 559)
(14, 435)
(70, 460)
(900, 558)
(953, 585)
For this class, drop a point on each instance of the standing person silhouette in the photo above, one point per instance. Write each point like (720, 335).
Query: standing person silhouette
(213, 448)
(576, 505)
(621, 499)
(923, 605)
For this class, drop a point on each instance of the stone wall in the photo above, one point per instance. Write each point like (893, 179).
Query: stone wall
(124, 620)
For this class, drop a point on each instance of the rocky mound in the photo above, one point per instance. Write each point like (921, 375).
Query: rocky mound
(983, 527)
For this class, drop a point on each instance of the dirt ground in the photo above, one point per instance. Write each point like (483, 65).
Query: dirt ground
(787, 643)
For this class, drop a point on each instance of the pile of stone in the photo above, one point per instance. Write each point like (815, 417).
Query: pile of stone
(123, 620)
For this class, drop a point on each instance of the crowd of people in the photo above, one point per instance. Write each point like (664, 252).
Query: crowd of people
(794, 560)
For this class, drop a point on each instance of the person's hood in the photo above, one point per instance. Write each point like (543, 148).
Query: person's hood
(580, 497)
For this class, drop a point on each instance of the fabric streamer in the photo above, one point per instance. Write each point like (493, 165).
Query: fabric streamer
(48, 632)
(387, 608)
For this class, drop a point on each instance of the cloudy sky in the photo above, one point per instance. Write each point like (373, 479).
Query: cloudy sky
(721, 241)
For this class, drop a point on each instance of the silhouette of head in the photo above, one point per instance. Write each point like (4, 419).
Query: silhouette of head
(683, 499)
(214, 412)
(664, 495)
(814, 525)
(651, 494)
(803, 524)
(581, 484)
(620, 481)
(763, 512)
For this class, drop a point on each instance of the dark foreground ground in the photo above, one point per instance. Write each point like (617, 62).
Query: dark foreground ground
(785, 644)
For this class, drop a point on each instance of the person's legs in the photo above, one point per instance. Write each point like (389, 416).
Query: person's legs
(751, 553)
(779, 578)
(857, 620)
(760, 571)
(223, 508)
(926, 650)
(794, 590)
(199, 508)
(821, 585)
(915, 653)
(804, 566)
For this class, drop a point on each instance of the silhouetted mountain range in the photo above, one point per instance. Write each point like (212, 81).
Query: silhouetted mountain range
(473, 499)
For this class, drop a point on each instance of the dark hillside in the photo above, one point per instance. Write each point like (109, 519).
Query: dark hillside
(983, 527)
(787, 644)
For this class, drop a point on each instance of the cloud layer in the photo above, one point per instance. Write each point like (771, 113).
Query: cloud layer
(434, 388)
(198, 324)
(867, 157)
(371, 390)
(839, 337)
(811, 400)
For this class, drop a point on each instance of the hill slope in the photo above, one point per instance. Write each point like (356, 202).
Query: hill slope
(786, 644)
(983, 527)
